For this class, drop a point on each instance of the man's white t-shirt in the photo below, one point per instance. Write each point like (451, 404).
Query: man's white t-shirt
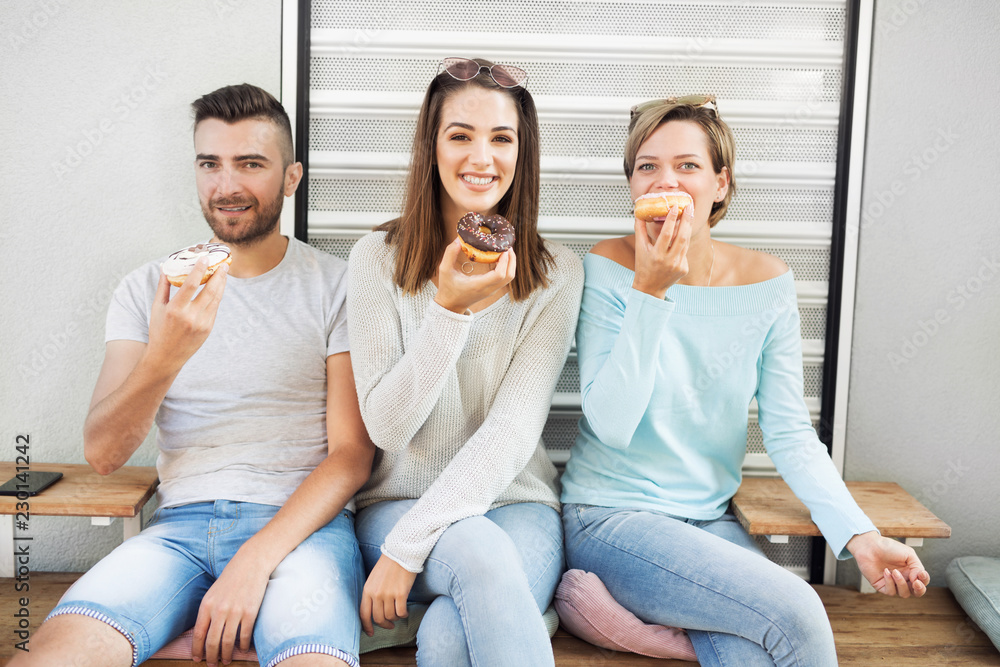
(245, 419)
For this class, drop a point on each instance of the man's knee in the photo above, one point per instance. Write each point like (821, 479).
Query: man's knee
(74, 640)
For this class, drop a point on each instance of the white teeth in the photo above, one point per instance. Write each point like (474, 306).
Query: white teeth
(242, 208)
(477, 181)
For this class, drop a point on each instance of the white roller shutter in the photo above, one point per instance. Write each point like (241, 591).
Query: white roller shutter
(776, 67)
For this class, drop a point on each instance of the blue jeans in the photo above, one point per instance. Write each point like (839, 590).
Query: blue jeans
(708, 577)
(487, 581)
(151, 586)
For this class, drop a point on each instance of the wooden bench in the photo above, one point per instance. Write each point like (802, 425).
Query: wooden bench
(931, 627)
(869, 630)
(766, 506)
(80, 492)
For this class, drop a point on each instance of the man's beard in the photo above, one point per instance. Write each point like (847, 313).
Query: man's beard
(248, 229)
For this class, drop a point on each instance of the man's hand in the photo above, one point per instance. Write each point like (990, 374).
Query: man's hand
(384, 595)
(136, 376)
(890, 567)
(179, 326)
(230, 605)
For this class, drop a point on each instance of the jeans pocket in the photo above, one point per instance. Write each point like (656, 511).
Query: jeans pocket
(153, 520)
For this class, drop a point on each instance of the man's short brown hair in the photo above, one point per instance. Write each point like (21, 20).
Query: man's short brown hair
(232, 104)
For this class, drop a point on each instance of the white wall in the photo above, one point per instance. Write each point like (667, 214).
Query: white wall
(924, 406)
(97, 178)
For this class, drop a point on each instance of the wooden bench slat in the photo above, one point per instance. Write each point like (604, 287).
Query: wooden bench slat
(82, 492)
(869, 630)
(938, 601)
(767, 506)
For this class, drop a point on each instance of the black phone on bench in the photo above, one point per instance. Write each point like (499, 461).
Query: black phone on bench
(31, 482)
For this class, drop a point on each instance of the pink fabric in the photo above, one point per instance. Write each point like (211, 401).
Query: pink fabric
(180, 648)
(587, 610)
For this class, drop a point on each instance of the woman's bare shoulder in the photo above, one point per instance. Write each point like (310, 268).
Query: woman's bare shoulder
(753, 266)
(620, 250)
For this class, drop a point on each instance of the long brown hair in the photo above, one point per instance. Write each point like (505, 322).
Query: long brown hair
(419, 235)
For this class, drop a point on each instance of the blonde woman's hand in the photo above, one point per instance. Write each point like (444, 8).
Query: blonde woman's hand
(458, 291)
(892, 568)
(661, 263)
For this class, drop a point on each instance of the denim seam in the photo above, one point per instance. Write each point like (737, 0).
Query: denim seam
(174, 596)
(700, 585)
(715, 648)
(213, 533)
(541, 573)
(322, 649)
(465, 624)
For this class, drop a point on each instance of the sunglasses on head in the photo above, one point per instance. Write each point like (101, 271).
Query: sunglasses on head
(693, 100)
(465, 69)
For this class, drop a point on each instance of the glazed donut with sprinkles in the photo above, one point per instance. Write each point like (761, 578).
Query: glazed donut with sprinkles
(485, 238)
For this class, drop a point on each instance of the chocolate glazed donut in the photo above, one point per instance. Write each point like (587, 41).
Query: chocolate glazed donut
(485, 238)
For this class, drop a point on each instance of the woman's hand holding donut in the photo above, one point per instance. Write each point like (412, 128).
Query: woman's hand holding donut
(660, 264)
(458, 291)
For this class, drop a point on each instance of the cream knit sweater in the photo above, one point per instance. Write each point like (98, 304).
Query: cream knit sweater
(455, 403)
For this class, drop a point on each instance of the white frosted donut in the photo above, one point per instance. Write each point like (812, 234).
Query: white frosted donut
(179, 264)
(657, 204)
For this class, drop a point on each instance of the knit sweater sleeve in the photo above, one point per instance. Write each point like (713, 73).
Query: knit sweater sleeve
(509, 435)
(791, 440)
(397, 387)
(618, 334)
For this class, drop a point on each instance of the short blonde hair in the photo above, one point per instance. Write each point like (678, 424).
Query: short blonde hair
(649, 116)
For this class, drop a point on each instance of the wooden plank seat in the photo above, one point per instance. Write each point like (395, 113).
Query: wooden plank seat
(933, 627)
(767, 506)
(869, 630)
(80, 492)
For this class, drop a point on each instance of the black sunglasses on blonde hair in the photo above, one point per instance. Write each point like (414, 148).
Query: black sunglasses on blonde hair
(693, 100)
(464, 69)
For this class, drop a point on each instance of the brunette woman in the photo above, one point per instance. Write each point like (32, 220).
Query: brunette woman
(456, 363)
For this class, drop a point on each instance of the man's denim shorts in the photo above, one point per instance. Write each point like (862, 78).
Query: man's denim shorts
(151, 586)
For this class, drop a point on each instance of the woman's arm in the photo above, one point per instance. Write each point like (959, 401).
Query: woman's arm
(789, 436)
(616, 344)
(508, 437)
(397, 388)
(618, 340)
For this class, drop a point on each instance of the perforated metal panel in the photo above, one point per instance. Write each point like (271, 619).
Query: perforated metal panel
(775, 67)
(579, 200)
(795, 555)
(755, 439)
(590, 140)
(560, 432)
(593, 79)
(631, 19)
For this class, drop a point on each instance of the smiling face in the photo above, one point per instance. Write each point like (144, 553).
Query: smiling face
(241, 179)
(476, 151)
(676, 158)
